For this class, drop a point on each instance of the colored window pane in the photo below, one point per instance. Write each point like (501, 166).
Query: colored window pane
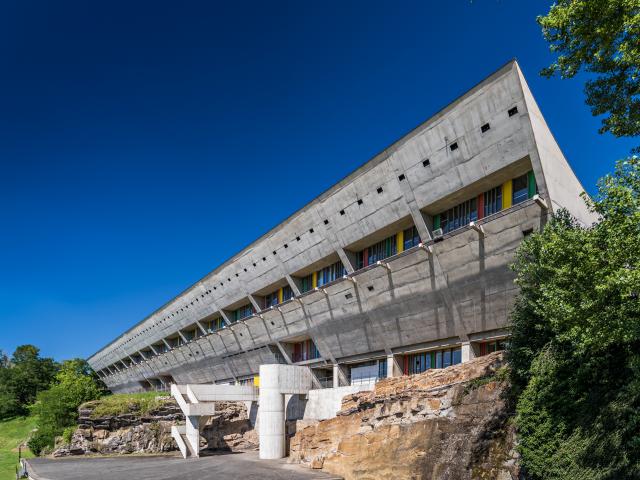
(520, 189)
(411, 237)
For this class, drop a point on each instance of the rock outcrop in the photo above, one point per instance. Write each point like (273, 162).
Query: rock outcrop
(131, 432)
(441, 424)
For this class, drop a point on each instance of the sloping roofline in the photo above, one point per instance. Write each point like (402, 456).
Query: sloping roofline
(369, 164)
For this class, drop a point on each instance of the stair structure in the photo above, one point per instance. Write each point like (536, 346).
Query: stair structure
(197, 402)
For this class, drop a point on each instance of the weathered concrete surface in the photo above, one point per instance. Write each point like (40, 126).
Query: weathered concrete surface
(227, 467)
(442, 424)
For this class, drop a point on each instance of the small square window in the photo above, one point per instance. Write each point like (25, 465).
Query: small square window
(370, 288)
(484, 128)
(311, 230)
(341, 212)
(348, 296)
(245, 269)
(255, 265)
(264, 259)
(274, 252)
(454, 146)
(379, 189)
(297, 239)
(513, 111)
(286, 245)
(426, 163)
(359, 201)
(401, 177)
(236, 274)
(326, 222)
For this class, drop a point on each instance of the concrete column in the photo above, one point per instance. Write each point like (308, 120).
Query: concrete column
(272, 444)
(467, 352)
(275, 381)
(193, 434)
(392, 368)
(336, 375)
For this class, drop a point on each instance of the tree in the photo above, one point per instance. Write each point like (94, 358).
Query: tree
(22, 377)
(601, 37)
(575, 347)
(57, 407)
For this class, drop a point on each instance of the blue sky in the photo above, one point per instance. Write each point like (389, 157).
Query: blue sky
(143, 143)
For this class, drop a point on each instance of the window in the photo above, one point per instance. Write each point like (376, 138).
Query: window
(401, 177)
(423, 361)
(243, 312)
(271, 299)
(411, 238)
(513, 111)
(493, 346)
(492, 201)
(454, 146)
(520, 189)
(426, 163)
(303, 351)
(330, 273)
(459, 216)
(307, 283)
(484, 128)
(287, 293)
(382, 368)
(214, 324)
(379, 190)
(379, 251)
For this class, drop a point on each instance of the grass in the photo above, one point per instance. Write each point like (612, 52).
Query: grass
(12, 433)
(121, 403)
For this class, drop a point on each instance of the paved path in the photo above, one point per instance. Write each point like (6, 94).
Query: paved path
(245, 466)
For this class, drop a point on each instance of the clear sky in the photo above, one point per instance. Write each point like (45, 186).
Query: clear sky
(142, 143)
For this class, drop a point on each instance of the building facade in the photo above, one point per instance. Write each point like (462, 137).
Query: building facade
(400, 267)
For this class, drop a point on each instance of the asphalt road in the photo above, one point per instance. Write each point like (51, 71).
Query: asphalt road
(246, 466)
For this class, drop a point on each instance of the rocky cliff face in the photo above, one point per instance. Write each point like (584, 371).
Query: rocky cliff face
(441, 424)
(131, 432)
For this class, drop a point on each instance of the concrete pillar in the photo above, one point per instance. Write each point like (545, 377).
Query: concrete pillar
(467, 352)
(192, 433)
(392, 368)
(275, 381)
(272, 444)
(336, 375)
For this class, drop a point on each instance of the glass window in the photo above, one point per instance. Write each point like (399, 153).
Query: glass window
(457, 356)
(307, 283)
(411, 238)
(382, 368)
(438, 359)
(287, 293)
(271, 300)
(520, 189)
(459, 216)
(243, 312)
(446, 358)
(330, 273)
(492, 201)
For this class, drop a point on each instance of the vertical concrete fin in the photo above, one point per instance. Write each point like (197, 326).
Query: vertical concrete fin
(558, 182)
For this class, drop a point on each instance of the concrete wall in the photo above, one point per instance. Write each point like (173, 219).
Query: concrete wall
(463, 288)
(326, 402)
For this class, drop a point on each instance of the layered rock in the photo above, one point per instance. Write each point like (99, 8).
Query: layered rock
(441, 424)
(131, 432)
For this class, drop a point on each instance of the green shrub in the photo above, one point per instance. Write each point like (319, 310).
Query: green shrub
(121, 403)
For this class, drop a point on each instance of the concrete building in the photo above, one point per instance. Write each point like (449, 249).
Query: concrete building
(400, 267)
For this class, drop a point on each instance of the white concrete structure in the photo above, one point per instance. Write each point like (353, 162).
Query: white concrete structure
(197, 404)
(276, 381)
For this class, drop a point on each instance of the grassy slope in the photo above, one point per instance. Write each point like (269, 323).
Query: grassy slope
(13, 433)
(141, 403)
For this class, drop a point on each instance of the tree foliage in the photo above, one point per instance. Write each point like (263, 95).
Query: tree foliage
(21, 378)
(575, 349)
(57, 407)
(601, 37)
